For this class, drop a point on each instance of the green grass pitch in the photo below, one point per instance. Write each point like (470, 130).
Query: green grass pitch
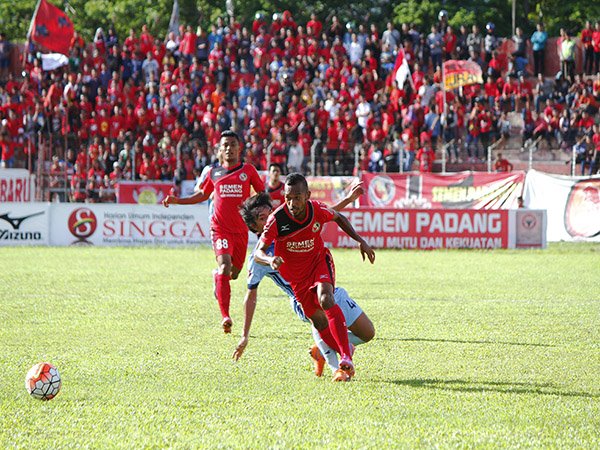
(474, 349)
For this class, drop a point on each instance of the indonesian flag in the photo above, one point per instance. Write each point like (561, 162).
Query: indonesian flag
(401, 69)
(51, 28)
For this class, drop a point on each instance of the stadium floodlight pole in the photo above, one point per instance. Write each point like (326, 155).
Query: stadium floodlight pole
(444, 112)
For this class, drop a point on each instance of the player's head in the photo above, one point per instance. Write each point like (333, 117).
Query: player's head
(274, 172)
(229, 146)
(255, 211)
(296, 194)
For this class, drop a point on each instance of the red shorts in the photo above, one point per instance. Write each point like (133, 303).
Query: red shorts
(306, 290)
(233, 244)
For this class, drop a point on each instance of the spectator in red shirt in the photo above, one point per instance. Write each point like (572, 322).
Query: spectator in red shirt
(502, 165)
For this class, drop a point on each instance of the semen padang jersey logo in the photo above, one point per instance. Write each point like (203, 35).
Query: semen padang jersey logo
(582, 211)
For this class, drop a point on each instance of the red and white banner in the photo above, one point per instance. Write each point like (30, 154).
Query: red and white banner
(573, 205)
(476, 190)
(461, 73)
(143, 192)
(128, 225)
(423, 229)
(16, 185)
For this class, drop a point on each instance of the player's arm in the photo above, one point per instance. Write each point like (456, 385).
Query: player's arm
(249, 308)
(346, 226)
(261, 257)
(196, 197)
(355, 192)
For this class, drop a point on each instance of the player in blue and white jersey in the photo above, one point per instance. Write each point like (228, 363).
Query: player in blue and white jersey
(255, 212)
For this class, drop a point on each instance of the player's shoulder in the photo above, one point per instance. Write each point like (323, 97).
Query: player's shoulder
(319, 206)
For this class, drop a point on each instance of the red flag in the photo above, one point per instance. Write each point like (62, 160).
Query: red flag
(51, 28)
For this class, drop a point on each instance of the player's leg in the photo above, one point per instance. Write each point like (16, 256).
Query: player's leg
(238, 256)
(223, 289)
(360, 331)
(360, 327)
(223, 248)
(337, 325)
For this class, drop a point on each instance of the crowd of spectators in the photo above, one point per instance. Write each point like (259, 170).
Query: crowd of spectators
(143, 107)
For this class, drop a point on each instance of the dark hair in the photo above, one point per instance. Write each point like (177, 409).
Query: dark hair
(249, 207)
(231, 133)
(294, 178)
(276, 165)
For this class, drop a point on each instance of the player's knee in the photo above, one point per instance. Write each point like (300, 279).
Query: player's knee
(368, 333)
(319, 320)
(363, 328)
(235, 273)
(326, 300)
(225, 268)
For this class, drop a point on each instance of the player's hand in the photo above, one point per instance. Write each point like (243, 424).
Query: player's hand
(276, 262)
(239, 350)
(356, 190)
(365, 249)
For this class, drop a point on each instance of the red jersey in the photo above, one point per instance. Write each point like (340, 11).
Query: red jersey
(231, 188)
(276, 194)
(299, 243)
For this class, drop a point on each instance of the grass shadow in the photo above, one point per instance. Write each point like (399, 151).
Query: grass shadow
(459, 341)
(457, 385)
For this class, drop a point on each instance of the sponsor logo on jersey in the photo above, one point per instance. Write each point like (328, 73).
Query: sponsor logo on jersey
(231, 190)
(316, 227)
(300, 246)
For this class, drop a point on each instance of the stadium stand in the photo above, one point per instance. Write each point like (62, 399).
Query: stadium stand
(148, 108)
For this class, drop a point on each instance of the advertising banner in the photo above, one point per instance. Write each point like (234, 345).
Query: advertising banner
(573, 205)
(423, 229)
(24, 224)
(462, 190)
(128, 225)
(530, 228)
(142, 192)
(16, 185)
(329, 190)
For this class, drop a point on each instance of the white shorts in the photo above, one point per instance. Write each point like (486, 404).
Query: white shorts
(349, 307)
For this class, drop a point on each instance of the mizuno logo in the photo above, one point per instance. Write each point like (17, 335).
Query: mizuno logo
(285, 227)
(16, 222)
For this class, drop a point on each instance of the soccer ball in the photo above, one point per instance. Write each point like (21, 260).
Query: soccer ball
(43, 381)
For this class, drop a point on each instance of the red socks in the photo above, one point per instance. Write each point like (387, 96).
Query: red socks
(337, 325)
(223, 292)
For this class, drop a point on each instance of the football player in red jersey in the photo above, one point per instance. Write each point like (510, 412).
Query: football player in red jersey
(302, 259)
(274, 185)
(231, 185)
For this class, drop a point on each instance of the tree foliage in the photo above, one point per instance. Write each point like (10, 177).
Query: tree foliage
(88, 15)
